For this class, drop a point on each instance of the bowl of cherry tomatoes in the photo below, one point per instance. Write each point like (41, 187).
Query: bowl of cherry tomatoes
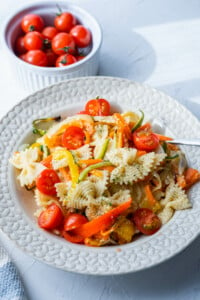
(50, 42)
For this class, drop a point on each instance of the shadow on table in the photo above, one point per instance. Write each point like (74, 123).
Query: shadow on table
(134, 58)
(185, 92)
(172, 277)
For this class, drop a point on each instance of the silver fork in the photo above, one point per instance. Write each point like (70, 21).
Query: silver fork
(159, 126)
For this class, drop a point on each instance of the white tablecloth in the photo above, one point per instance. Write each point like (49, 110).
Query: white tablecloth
(151, 41)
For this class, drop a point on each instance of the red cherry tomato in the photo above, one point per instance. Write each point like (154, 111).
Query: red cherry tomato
(98, 107)
(33, 40)
(23, 57)
(80, 57)
(32, 22)
(51, 57)
(46, 181)
(36, 57)
(146, 221)
(73, 221)
(65, 21)
(51, 217)
(73, 138)
(81, 35)
(63, 43)
(65, 60)
(49, 32)
(19, 46)
(73, 238)
(144, 139)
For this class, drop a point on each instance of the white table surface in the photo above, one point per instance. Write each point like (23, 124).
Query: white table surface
(151, 41)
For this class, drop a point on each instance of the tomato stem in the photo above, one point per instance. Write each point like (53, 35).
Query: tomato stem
(59, 9)
(31, 28)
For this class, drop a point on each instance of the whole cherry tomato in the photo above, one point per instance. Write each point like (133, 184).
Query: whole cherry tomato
(23, 57)
(73, 138)
(32, 22)
(51, 217)
(51, 57)
(146, 221)
(81, 35)
(36, 57)
(19, 46)
(65, 59)
(33, 40)
(98, 107)
(63, 43)
(80, 57)
(46, 181)
(145, 139)
(65, 21)
(49, 32)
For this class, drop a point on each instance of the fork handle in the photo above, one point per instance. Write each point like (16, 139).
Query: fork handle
(194, 142)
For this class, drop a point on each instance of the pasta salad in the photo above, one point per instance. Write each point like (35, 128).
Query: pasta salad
(102, 178)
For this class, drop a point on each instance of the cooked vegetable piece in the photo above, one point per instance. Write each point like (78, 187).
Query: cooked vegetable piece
(46, 181)
(102, 222)
(73, 138)
(145, 139)
(51, 217)
(146, 221)
(85, 172)
(139, 123)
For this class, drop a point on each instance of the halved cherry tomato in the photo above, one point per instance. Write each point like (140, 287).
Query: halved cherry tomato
(73, 138)
(98, 107)
(81, 35)
(32, 22)
(72, 237)
(146, 221)
(145, 139)
(63, 43)
(51, 217)
(73, 221)
(46, 181)
(36, 57)
(65, 60)
(49, 32)
(19, 46)
(64, 21)
(33, 40)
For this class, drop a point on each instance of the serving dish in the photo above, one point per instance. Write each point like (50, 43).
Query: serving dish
(32, 77)
(16, 207)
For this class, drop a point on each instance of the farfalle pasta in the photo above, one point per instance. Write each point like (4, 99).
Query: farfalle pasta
(103, 179)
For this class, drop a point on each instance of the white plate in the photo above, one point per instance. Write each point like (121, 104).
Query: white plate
(17, 207)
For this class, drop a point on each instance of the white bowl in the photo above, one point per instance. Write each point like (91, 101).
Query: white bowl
(33, 77)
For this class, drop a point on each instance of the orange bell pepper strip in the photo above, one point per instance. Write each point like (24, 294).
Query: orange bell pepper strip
(191, 177)
(151, 201)
(123, 130)
(47, 161)
(102, 222)
(163, 138)
(65, 174)
(140, 153)
(108, 168)
(89, 162)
